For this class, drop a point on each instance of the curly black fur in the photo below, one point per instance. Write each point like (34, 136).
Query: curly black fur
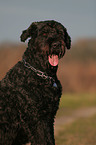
(28, 102)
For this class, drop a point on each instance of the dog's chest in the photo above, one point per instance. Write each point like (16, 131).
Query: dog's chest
(44, 96)
(48, 97)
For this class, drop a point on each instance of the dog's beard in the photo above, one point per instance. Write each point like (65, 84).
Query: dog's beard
(52, 70)
(52, 64)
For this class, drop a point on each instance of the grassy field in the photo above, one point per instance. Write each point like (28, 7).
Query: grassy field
(71, 102)
(83, 130)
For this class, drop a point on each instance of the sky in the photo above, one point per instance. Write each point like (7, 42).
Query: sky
(78, 16)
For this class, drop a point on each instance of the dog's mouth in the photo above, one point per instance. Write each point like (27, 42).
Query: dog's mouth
(53, 59)
(56, 52)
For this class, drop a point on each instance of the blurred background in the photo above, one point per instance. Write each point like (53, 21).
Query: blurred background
(77, 70)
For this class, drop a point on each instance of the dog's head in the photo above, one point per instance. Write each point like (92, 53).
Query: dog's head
(49, 38)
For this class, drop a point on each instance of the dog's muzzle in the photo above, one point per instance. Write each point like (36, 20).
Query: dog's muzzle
(57, 51)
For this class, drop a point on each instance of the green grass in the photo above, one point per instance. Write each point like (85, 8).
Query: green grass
(71, 102)
(77, 100)
(81, 132)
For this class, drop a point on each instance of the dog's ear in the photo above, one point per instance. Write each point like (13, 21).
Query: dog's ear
(30, 32)
(67, 39)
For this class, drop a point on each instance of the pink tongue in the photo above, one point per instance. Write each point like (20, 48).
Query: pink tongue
(53, 60)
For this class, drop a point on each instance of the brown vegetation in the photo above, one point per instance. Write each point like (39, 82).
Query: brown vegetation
(77, 70)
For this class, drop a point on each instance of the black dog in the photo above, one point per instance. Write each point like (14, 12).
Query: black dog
(30, 91)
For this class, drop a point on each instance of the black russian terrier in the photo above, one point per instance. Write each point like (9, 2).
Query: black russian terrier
(30, 92)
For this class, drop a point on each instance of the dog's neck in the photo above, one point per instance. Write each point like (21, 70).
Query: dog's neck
(40, 62)
(40, 73)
